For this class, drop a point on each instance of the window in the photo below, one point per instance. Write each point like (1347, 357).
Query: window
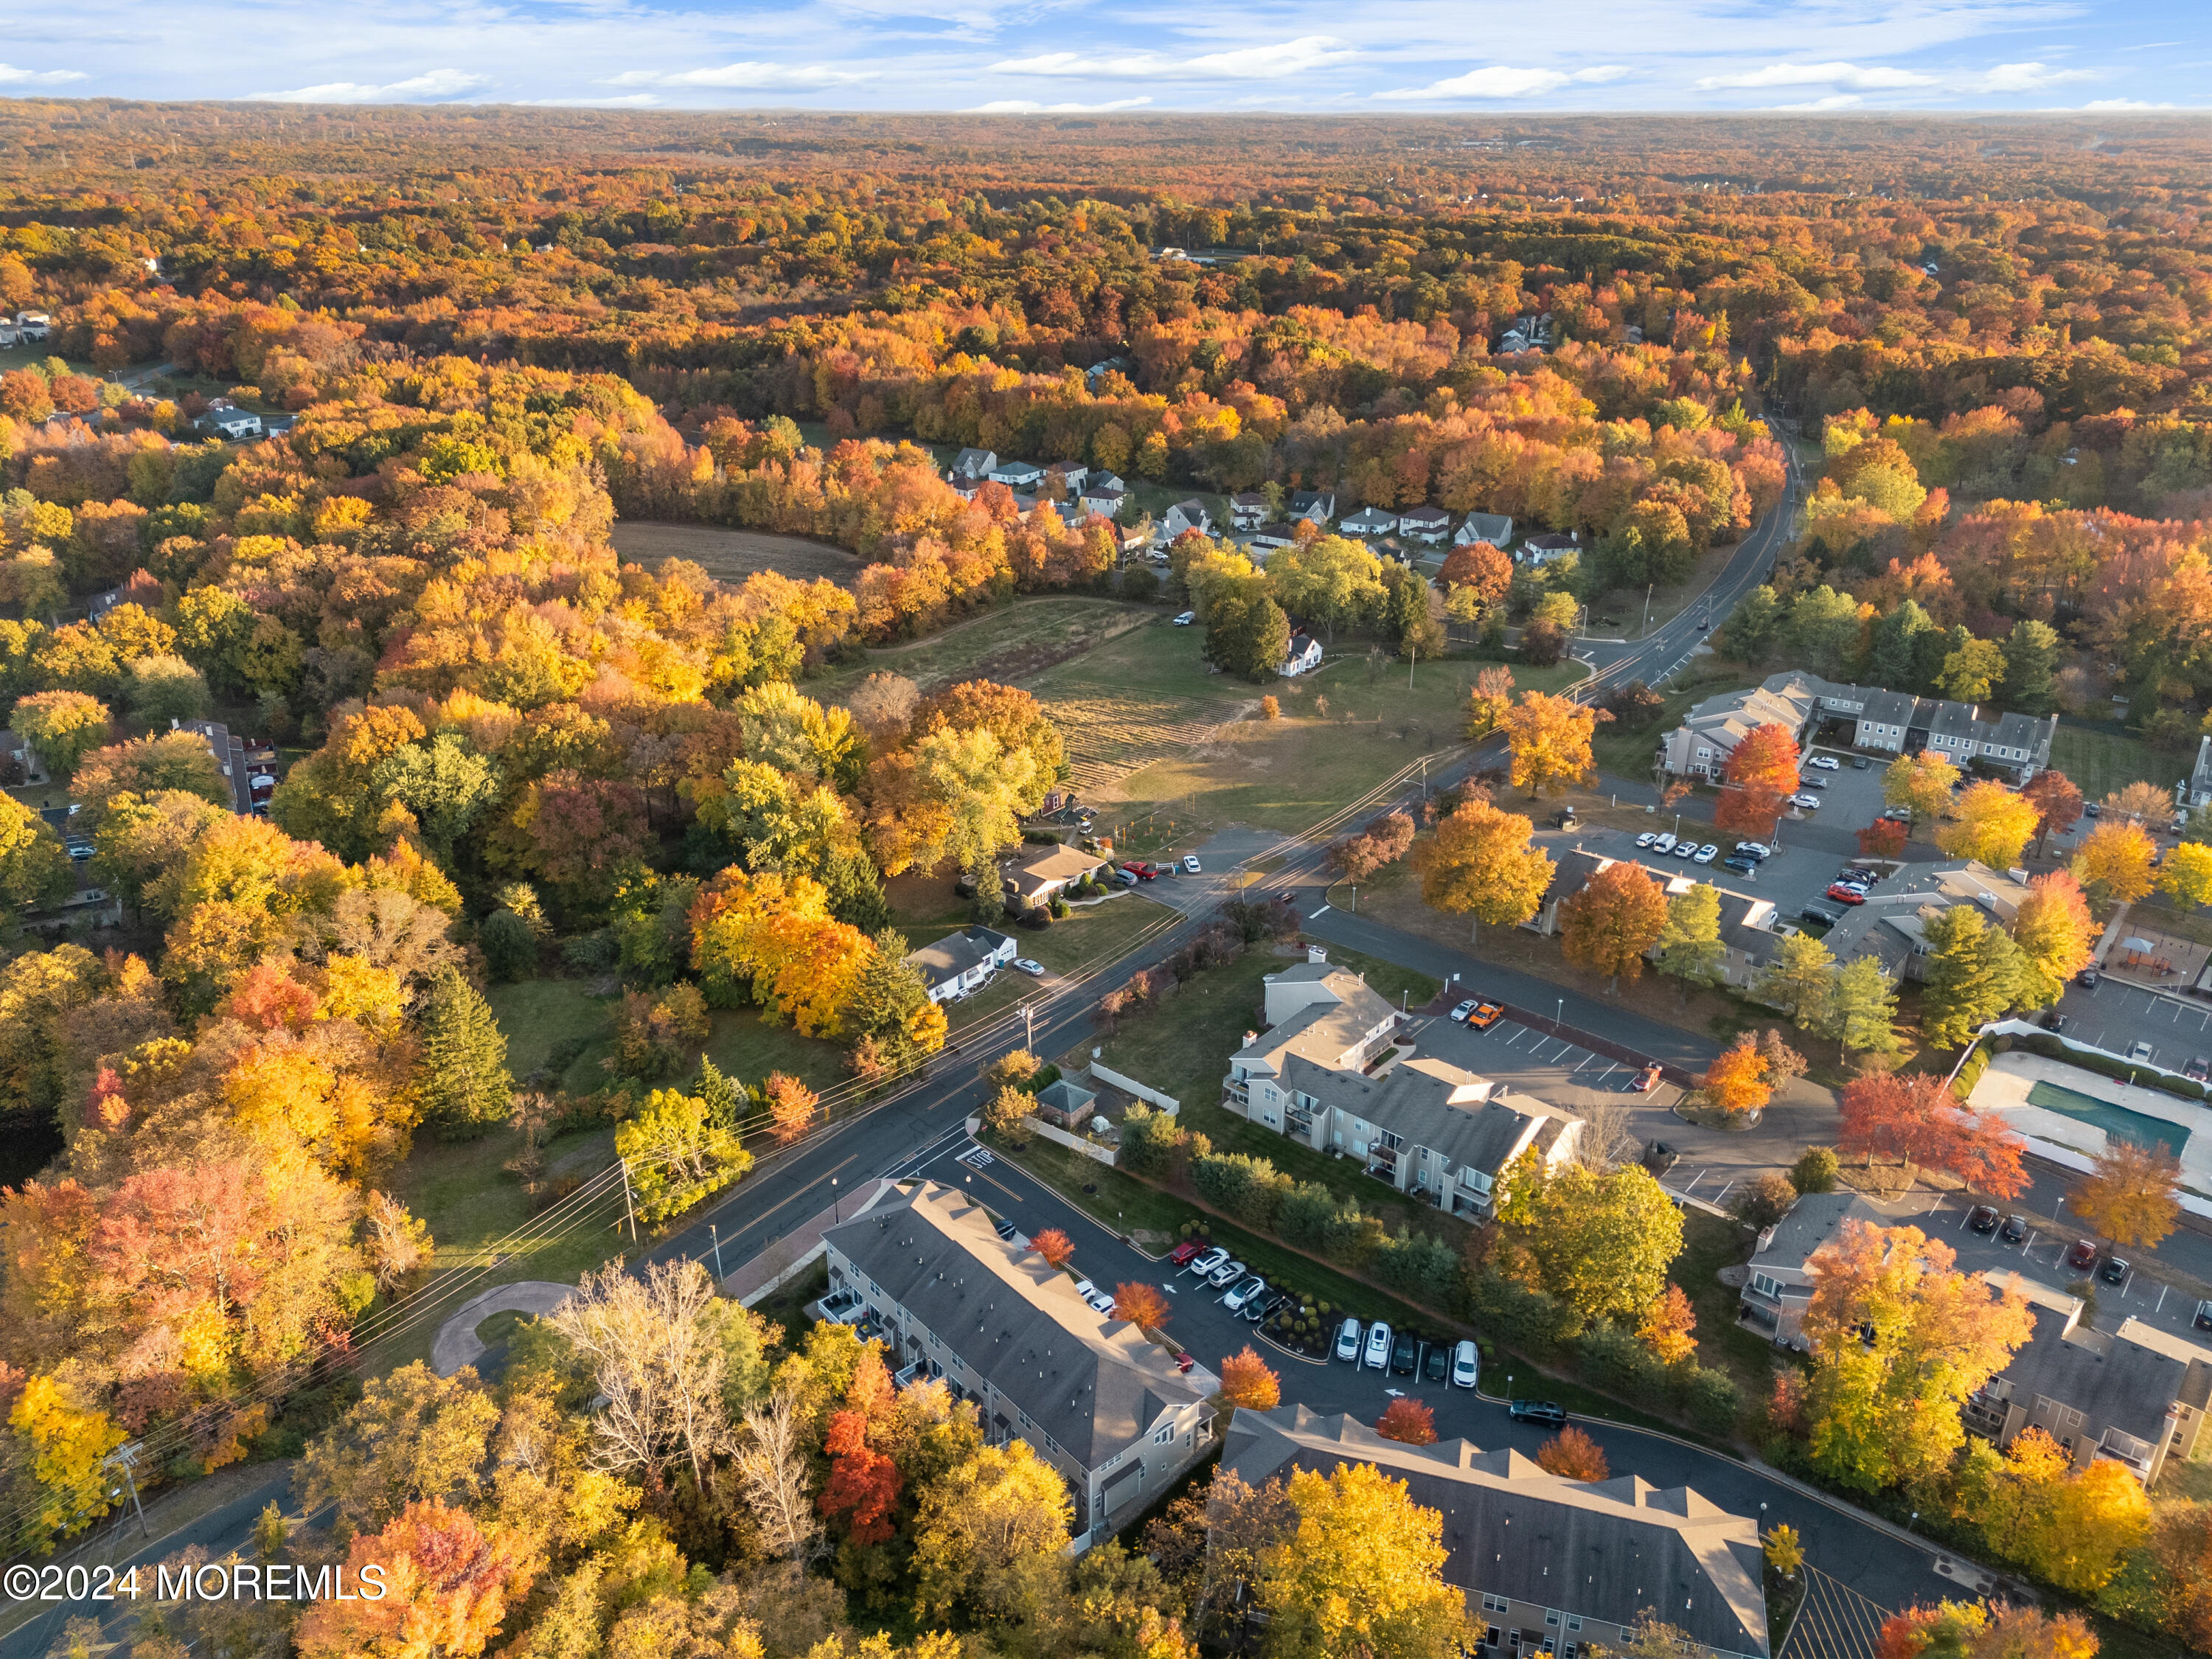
(1165, 1437)
(1552, 1616)
(1574, 1621)
(1766, 1285)
(1490, 1636)
(1494, 1604)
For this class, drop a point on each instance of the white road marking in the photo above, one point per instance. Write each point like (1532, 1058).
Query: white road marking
(1322, 911)
(2162, 1297)
(1692, 1182)
(1605, 1073)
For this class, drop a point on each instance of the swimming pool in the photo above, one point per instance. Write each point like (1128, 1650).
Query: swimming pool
(2138, 1127)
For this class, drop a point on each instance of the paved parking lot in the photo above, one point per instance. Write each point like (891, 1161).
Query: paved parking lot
(2115, 1017)
(1795, 873)
(1522, 1058)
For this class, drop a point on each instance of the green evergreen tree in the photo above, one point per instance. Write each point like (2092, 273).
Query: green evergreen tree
(1864, 1008)
(2030, 651)
(1891, 662)
(727, 1102)
(1974, 975)
(886, 1000)
(465, 1086)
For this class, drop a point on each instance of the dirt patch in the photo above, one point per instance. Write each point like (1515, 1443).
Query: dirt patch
(730, 556)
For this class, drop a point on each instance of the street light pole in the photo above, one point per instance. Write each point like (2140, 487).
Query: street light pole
(716, 1233)
(1646, 628)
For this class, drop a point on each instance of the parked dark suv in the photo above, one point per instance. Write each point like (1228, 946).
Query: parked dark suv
(1538, 1411)
(1404, 1349)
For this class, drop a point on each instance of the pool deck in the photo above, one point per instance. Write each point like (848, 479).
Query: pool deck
(2003, 1089)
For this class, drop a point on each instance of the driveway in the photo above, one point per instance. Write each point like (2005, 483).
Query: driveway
(1861, 1555)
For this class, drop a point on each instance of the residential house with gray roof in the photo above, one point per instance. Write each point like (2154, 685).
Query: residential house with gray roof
(2196, 790)
(1496, 528)
(2136, 1393)
(1751, 930)
(1091, 1394)
(961, 962)
(1548, 1565)
(1893, 924)
(1781, 1274)
(1332, 1072)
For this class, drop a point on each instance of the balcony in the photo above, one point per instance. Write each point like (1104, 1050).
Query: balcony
(1299, 1123)
(1235, 1093)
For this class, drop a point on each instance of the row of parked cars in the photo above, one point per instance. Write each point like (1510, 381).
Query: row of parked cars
(1377, 1347)
(1853, 883)
(1246, 1293)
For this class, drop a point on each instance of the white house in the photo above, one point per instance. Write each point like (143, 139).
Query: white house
(1369, 521)
(1185, 516)
(961, 963)
(1096, 498)
(1425, 524)
(1496, 528)
(1303, 657)
(1073, 475)
(1247, 511)
(972, 466)
(1540, 551)
(1319, 505)
(1018, 475)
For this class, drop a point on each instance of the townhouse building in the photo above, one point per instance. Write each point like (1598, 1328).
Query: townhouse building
(1885, 722)
(1548, 1565)
(1090, 1395)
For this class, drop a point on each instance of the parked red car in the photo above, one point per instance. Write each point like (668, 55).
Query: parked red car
(1144, 872)
(1187, 1252)
(1844, 895)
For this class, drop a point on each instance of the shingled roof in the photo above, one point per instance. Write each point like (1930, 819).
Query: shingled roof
(1606, 1550)
(1092, 1382)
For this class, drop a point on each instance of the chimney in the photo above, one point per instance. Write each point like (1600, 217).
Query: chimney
(1250, 1038)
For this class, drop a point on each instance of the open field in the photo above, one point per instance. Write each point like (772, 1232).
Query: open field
(1010, 643)
(1619, 614)
(1342, 729)
(537, 1014)
(730, 556)
(2099, 757)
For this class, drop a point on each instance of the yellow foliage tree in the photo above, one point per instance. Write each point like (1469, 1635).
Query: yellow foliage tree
(1549, 739)
(1994, 825)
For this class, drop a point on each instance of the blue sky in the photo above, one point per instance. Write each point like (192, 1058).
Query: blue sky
(1022, 56)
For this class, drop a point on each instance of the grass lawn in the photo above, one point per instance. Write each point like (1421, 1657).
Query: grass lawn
(1009, 644)
(1709, 1245)
(1091, 937)
(2101, 757)
(536, 1014)
(1151, 732)
(1619, 614)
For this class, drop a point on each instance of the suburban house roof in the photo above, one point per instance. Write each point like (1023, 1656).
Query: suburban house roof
(2126, 1378)
(1325, 1029)
(956, 954)
(1092, 1382)
(974, 462)
(1493, 527)
(1892, 923)
(2200, 778)
(1248, 498)
(1815, 1220)
(1424, 515)
(1746, 919)
(1513, 1529)
(1045, 868)
(1433, 1103)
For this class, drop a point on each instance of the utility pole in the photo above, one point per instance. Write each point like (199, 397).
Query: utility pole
(1410, 661)
(628, 1209)
(123, 1457)
(716, 1233)
(1648, 587)
(1029, 1026)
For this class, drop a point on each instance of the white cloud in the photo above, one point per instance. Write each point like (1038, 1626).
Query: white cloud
(1028, 107)
(2024, 78)
(746, 75)
(437, 84)
(2107, 104)
(1862, 78)
(1245, 64)
(1503, 81)
(627, 100)
(1833, 100)
(12, 76)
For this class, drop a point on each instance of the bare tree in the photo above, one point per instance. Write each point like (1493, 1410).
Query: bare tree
(659, 1367)
(772, 1470)
(1605, 1126)
(883, 706)
(396, 1243)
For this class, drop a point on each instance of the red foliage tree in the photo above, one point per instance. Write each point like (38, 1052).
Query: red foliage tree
(586, 831)
(864, 1483)
(1054, 1246)
(1883, 839)
(269, 998)
(1408, 1420)
(2057, 803)
(1918, 1120)
(1761, 770)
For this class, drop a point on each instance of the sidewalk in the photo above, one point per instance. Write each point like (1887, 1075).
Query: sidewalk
(753, 1281)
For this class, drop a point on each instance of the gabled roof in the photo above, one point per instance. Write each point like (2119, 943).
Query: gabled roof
(1436, 1104)
(1092, 1382)
(957, 953)
(1606, 1550)
(1424, 515)
(2126, 1378)
(1322, 1030)
(1815, 1220)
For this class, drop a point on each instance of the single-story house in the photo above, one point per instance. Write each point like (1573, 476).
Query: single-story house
(1247, 511)
(1040, 873)
(1425, 524)
(1269, 537)
(2135, 1394)
(1018, 475)
(1516, 1537)
(1303, 657)
(1319, 505)
(961, 962)
(1496, 528)
(1089, 1394)
(1369, 521)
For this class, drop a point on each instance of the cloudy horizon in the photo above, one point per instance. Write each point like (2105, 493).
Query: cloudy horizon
(1710, 57)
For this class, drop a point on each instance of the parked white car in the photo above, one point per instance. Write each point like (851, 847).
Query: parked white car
(1226, 1275)
(1467, 1365)
(1663, 844)
(1190, 864)
(1347, 1340)
(1245, 1294)
(1805, 802)
(1378, 1347)
(1207, 1264)
(1186, 619)
(1643, 841)
(1825, 763)
(1707, 853)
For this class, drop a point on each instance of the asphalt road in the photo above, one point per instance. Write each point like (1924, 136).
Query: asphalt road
(1867, 1558)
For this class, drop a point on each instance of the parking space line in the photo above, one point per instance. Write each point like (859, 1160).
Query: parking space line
(1605, 1073)
(1519, 1032)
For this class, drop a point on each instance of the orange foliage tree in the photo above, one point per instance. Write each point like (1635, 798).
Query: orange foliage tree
(1408, 1420)
(791, 1106)
(1054, 1246)
(1761, 770)
(1141, 1304)
(1573, 1455)
(1735, 1082)
(1246, 1381)
(1616, 917)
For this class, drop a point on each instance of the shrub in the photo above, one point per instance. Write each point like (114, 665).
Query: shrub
(1529, 1321)
(1815, 1170)
(510, 948)
(1615, 1362)
(1421, 1268)
(1058, 909)
(1712, 1401)
(591, 953)
(1250, 1189)
(1269, 708)
(1970, 1073)
(1764, 1201)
